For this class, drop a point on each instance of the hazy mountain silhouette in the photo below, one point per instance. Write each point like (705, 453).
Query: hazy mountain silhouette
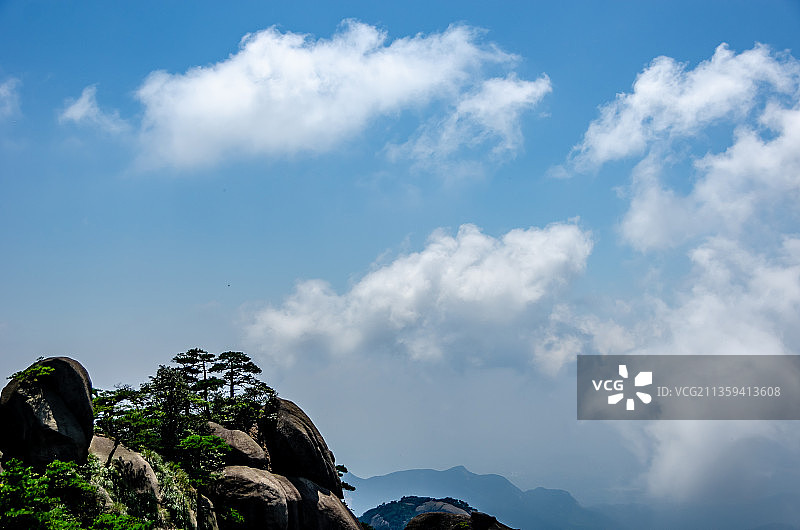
(558, 509)
(493, 494)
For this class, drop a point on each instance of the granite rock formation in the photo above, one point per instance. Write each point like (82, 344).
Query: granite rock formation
(130, 462)
(49, 417)
(296, 447)
(244, 451)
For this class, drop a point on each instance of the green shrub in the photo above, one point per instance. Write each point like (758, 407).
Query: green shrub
(32, 374)
(178, 498)
(202, 457)
(61, 498)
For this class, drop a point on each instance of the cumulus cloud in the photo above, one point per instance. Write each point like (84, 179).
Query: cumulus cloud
(9, 97)
(283, 93)
(669, 100)
(733, 301)
(754, 181)
(469, 297)
(750, 187)
(488, 115)
(85, 110)
(737, 302)
(732, 212)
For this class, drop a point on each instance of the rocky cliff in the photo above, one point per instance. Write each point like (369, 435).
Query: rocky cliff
(278, 475)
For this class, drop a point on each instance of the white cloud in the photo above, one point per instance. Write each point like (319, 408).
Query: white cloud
(733, 213)
(9, 97)
(472, 297)
(751, 185)
(84, 110)
(670, 101)
(568, 334)
(724, 461)
(496, 107)
(489, 115)
(734, 301)
(282, 93)
(754, 181)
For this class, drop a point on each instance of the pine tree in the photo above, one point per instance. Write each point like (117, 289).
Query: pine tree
(237, 369)
(196, 365)
(122, 415)
(169, 398)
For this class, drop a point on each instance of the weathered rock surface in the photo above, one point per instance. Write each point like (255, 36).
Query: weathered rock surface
(297, 449)
(451, 521)
(48, 419)
(260, 497)
(206, 514)
(379, 523)
(139, 470)
(51, 418)
(320, 509)
(266, 500)
(244, 450)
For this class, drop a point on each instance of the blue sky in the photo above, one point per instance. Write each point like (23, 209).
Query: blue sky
(414, 215)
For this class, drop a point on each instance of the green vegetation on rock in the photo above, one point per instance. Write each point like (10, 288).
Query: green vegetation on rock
(166, 421)
(64, 497)
(157, 454)
(169, 415)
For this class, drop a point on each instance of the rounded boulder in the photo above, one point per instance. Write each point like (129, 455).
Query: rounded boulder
(296, 447)
(48, 417)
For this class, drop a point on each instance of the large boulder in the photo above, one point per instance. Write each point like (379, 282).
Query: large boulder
(320, 509)
(266, 500)
(48, 418)
(138, 470)
(296, 447)
(261, 498)
(244, 451)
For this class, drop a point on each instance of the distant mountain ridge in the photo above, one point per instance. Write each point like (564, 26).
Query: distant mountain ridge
(493, 494)
(553, 509)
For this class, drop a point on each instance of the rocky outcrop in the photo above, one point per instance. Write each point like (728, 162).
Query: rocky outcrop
(451, 521)
(244, 451)
(296, 447)
(267, 500)
(320, 509)
(260, 497)
(49, 417)
(130, 463)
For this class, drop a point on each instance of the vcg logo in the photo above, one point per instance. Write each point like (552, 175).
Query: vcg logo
(618, 387)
